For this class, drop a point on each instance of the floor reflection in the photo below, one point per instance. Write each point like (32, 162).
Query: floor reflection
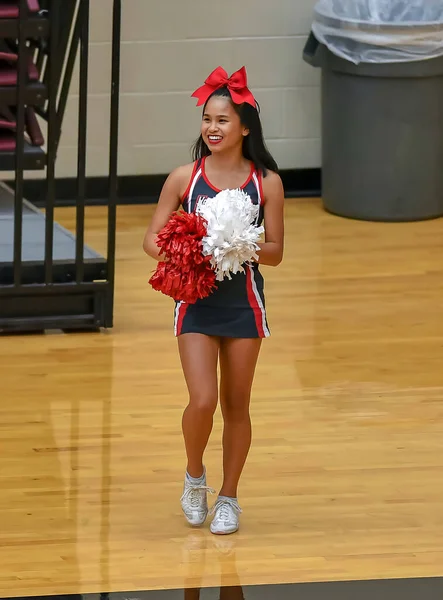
(202, 550)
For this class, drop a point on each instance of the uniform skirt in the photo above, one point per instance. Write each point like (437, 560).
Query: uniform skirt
(235, 309)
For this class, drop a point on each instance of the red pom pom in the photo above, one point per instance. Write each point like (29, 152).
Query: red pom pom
(182, 235)
(183, 285)
(187, 275)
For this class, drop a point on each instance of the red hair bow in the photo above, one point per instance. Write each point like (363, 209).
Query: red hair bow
(237, 84)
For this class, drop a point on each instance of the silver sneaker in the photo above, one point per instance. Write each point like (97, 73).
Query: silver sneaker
(194, 503)
(226, 519)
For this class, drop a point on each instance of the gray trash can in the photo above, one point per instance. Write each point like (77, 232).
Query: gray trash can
(382, 130)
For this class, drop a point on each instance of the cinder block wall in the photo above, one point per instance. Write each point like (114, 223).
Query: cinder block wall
(168, 49)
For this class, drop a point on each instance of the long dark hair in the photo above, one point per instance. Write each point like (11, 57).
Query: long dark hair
(254, 147)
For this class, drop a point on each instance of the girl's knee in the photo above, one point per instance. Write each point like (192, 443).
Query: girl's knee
(204, 404)
(235, 409)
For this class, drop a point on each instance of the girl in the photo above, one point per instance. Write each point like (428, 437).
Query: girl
(229, 325)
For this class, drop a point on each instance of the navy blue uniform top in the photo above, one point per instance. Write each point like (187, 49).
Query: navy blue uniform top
(244, 293)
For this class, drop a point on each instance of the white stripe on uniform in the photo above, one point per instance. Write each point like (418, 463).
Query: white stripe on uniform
(176, 316)
(191, 190)
(257, 185)
(259, 302)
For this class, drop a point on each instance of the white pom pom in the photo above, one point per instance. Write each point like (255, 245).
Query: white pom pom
(232, 236)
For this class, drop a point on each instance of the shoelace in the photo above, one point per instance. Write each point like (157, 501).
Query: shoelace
(223, 505)
(192, 494)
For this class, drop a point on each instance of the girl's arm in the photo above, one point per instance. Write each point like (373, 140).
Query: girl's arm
(169, 201)
(271, 251)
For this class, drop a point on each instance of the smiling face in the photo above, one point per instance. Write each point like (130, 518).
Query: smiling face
(221, 127)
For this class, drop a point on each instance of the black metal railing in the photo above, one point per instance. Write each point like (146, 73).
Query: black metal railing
(20, 113)
(82, 138)
(41, 285)
(52, 81)
(113, 147)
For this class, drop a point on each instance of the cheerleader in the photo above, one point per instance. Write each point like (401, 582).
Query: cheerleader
(228, 326)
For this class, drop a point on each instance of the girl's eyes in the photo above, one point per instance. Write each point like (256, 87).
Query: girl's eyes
(206, 120)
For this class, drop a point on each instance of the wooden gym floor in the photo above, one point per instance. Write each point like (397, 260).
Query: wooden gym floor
(345, 477)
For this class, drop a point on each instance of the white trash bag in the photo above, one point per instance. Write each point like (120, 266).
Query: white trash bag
(380, 31)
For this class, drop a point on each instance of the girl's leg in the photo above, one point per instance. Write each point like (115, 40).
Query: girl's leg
(199, 355)
(238, 359)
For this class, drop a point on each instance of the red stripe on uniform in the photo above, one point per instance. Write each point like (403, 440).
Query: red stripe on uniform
(181, 316)
(260, 183)
(254, 304)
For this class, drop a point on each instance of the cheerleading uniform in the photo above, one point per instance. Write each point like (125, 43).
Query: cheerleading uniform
(236, 308)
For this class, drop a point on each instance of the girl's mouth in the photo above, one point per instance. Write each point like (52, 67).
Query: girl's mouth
(214, 139)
